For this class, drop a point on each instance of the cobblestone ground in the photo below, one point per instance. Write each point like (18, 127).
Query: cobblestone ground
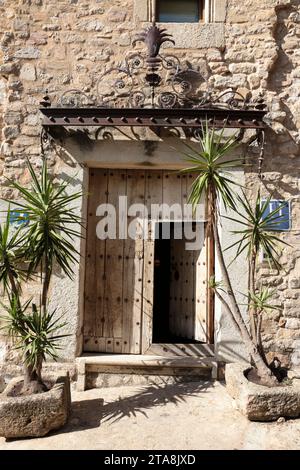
(182, 416)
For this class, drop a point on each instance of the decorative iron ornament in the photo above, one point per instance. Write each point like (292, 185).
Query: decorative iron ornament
(155, 89)
(155, 80)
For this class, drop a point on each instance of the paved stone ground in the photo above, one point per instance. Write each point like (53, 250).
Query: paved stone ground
(182, 416)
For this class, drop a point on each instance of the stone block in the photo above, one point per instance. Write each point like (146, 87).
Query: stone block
(220, 11)
(20, 25)
(80, 383)
(2, 384)
(117, 15)
(28, 72)
(196, 35)
(38, 39)
(293, 323)
(260, 403)
(9, 68)
(11, 132)
(141, 10)
(34, 415)
(13, 118)
(91, 25)
(2, 91)
(29, 52)
(294, 283)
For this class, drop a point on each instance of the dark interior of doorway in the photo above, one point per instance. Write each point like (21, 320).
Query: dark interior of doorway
(161, 295)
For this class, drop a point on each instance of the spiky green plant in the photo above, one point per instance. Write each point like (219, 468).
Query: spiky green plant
(34, 332)
(212, 167)
(12, 244)
(215, 285)
(14, 319)
(259, 228)
(257, 235)
(48, 240)
(261, 302)
(51, 230)
(214, 182)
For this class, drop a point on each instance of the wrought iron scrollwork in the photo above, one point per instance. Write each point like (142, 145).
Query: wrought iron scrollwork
(154, 79)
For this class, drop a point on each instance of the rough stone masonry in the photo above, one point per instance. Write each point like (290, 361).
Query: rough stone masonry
(252, 45)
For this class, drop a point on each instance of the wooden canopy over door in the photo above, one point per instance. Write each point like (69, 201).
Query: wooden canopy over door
(119, 279)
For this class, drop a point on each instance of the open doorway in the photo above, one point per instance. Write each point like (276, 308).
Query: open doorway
(175, 282)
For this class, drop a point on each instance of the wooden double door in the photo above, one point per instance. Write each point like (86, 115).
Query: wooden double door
(124, 297)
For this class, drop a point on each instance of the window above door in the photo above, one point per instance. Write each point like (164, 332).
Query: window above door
(178, 11)
(194, 24)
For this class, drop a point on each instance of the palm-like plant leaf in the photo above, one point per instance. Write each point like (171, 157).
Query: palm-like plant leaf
(259, 228)
(34, 332)
(14, 318)
(11, 254)
(210, 165)
(51, 230)
(261, 301)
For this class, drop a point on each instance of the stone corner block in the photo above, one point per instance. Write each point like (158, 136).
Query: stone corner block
(196, 35)
(220, 7)
(260, 403)
(35, 415)
(141, 10)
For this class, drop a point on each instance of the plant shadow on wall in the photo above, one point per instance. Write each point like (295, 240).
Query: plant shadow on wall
(89, 414)
(43, 239)
(256, 232)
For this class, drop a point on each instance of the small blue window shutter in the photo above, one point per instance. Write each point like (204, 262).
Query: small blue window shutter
(279, 224)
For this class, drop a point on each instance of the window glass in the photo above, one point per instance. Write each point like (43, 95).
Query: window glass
(281, 220)
(179, 11)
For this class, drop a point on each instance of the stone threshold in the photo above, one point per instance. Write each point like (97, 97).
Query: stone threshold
(147, 365)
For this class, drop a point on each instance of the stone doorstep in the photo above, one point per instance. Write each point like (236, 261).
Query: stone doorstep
(259, 403)
(127, 364)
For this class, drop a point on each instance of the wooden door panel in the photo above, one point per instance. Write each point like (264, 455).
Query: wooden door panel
(114, 250)
(100, 195)
(119, 279)
(133, 268)
(94, 251)
(148, 275)
(182, 291)
(200, 273)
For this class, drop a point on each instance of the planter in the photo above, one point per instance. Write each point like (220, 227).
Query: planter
(260, 403)
(34, 415)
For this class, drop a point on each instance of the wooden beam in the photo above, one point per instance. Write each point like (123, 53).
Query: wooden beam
(156, 117)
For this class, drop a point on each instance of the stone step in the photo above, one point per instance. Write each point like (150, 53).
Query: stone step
(107, 370)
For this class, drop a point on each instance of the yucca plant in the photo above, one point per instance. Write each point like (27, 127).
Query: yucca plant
(261, 302)
(34, 332)
(11, 255)
(257, 235)
(47, 241)
(51, 229)
(214, 182)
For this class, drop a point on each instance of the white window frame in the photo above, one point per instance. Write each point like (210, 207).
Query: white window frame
(214, 11)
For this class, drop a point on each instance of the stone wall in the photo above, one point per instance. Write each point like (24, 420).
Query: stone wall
(50, 45)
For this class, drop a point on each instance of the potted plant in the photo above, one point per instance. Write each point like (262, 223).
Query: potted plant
(47, 227)
(259, 387)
